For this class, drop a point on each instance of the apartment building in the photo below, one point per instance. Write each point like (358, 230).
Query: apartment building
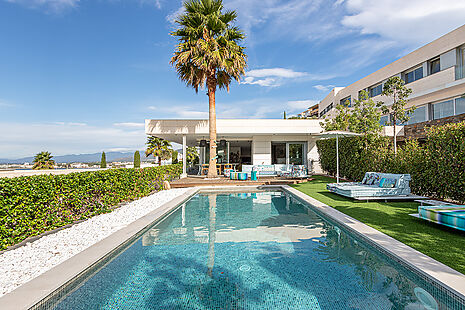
(434, 72)
(311, 112)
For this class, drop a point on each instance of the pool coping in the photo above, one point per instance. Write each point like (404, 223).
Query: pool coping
(33, 292)
(426, 266)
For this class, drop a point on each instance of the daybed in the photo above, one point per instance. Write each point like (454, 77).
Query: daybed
(374, 185)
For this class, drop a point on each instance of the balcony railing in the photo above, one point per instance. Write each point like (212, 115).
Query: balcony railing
(459, 72)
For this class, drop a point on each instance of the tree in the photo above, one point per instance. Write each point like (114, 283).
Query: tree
(158, 148)
(363, 117)
(366, 115)
(192, 155)
(137, 159)
(341, 121)
(284, 117)
(396, 89)
(174, 157)
(103, 161)
(43, 160)
(208, 54)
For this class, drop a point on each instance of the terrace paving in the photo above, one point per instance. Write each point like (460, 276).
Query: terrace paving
(194, 181)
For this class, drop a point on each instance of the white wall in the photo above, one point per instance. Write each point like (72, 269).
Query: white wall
(261, 150)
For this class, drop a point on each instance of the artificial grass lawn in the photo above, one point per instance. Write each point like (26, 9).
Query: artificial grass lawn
(444, 244)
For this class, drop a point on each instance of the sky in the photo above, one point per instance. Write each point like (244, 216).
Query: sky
(81, 76)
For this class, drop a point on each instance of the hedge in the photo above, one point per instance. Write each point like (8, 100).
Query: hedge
(437, 166)
(32, 205)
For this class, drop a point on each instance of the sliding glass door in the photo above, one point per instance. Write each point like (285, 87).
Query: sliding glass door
(296, 153)
(290, 153)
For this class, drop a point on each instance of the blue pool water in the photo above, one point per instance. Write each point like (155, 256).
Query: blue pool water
(261, 250)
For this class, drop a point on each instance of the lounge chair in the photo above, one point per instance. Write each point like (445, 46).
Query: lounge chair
(375, 185)
(451, 216)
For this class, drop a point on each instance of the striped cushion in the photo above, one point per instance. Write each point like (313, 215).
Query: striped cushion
(452, 216)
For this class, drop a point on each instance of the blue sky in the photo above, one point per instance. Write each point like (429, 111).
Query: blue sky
(79, 76)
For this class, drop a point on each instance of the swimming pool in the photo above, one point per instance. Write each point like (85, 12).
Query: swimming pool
(255, 250)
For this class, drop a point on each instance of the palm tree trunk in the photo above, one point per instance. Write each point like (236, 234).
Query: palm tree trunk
(395, 140)
(211, 83)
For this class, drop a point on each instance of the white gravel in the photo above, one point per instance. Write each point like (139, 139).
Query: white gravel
(27, 262)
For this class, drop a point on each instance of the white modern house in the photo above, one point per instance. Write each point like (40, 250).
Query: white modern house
(246, 141)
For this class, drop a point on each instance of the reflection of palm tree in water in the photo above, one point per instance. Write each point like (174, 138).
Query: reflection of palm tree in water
(211, 233)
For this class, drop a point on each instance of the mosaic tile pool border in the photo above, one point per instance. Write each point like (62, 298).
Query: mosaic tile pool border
(453, 299)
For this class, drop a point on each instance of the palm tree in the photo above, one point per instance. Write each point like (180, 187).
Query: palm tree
(158, 148)
(43, 160)
(208, 54)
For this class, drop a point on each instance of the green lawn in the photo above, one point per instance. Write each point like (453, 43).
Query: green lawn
(441, 243)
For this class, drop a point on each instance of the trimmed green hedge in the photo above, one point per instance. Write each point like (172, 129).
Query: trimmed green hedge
(32, 205)
(437, 167)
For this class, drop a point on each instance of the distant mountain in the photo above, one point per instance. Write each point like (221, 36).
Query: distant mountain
(83, 158)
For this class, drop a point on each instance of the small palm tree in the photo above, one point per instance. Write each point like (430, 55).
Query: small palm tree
(43, 160)
(158, 148)
(208, 54)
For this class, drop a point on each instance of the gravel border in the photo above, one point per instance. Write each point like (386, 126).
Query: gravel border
(25, 263)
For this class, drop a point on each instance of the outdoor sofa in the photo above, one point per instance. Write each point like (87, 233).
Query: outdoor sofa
(292, 171)
(450, 215)
(374, 185)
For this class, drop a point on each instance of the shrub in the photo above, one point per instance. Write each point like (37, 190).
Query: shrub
(437, 168)
(32, 205)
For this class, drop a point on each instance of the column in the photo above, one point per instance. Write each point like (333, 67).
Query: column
(184, 157)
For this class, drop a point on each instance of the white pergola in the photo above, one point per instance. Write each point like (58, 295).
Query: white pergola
(336, 134)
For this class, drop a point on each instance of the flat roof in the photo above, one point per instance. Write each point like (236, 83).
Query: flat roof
(238, 129)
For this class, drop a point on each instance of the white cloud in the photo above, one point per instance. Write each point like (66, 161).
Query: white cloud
(300, 105)
(271, 77)
(129, 125)
(410, 22)
(324, 88)
(25, 139)
(174, 15)
(49, 5)
(274, 77)
(5, 104)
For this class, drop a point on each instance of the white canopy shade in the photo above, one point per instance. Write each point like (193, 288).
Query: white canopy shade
(336, 134)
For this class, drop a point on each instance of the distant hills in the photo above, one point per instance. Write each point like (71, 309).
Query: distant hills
(83, 158)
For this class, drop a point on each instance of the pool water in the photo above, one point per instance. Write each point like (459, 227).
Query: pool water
(262, 250)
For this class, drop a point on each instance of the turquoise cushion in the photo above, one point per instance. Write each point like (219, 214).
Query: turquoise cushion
(381, 183)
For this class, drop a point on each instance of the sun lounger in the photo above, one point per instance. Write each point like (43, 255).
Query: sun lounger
(451, 216)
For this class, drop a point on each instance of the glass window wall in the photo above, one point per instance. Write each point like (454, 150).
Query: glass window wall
(420, 115)
(459, 106)
(443, 109)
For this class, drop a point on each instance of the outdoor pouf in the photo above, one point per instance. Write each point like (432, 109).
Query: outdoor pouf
(234, 176)
(451, 216)
(242, 176)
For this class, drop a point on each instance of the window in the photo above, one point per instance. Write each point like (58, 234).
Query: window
(434, 65)
(459, 105)
(414, 75)
(443, 109)
(376, 90)
(420, 115)
(460, 68)
(326, 110)
(384, 120)
(347, 101)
